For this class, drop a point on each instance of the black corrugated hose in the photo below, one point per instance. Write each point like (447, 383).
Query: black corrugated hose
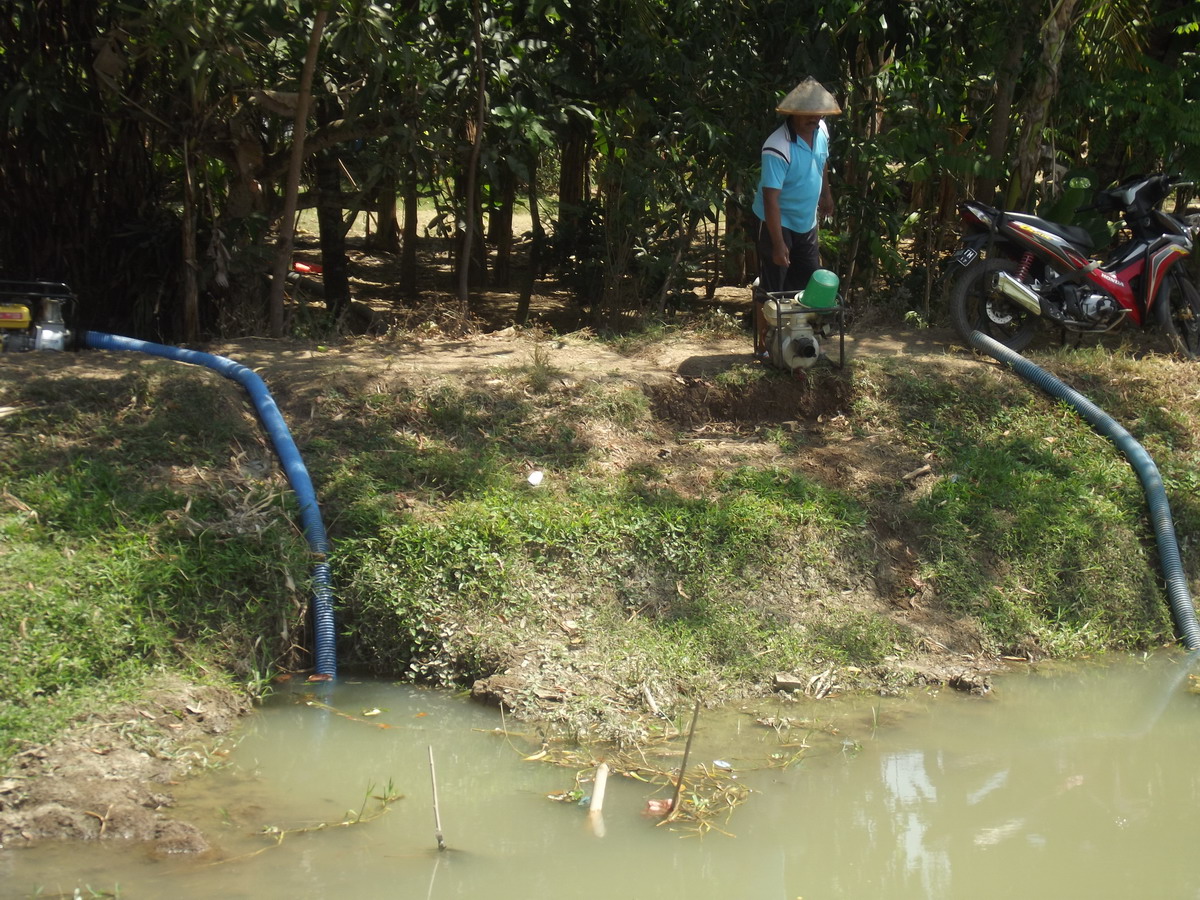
(1180, 597)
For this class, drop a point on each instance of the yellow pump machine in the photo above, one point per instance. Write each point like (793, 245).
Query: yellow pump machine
(31, 315)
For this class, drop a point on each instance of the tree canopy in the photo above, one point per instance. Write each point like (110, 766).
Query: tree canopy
(146, 143)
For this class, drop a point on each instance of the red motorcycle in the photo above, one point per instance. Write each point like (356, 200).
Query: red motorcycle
(1019, 269)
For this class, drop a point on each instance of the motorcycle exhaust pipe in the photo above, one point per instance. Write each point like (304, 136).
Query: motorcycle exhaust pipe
(1019, 293)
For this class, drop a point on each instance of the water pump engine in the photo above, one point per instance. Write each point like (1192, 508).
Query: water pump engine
(797, 323)
(793, 334)
(31, 316)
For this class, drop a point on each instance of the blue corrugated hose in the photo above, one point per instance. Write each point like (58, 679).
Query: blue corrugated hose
(325, 650)
(1152, 485)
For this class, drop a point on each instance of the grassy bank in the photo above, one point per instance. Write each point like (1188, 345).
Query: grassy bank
(689, 537)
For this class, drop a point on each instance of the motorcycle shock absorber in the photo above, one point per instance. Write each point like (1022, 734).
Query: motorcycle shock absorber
(1026, 265)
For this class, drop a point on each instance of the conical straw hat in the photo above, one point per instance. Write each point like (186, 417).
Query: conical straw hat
(809, 98)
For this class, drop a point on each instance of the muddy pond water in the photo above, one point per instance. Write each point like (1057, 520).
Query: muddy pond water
(1063, 782)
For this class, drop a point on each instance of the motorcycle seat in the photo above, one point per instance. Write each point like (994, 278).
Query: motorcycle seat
(1073, 233)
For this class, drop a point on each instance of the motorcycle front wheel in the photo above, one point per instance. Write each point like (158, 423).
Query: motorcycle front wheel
(976, 304)
(1177, 311)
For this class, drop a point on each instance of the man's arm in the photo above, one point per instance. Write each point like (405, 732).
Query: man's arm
(773, 221)
(825, 203)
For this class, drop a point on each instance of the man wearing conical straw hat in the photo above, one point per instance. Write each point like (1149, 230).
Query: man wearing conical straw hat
(793, 191)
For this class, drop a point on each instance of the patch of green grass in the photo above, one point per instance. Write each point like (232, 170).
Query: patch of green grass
(743, 375)
(133, 544)
(856, 638)
(693, 566)
(801, 499)
(631, 342)
(83, 616)
(1038, 526)
(625, 407)
(539, 372)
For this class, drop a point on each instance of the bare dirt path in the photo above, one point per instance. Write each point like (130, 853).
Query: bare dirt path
(289, 364)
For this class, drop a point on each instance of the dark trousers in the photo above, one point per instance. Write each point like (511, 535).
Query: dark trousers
(804, 253)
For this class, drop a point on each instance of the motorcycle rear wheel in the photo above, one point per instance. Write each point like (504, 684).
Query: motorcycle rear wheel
(1177, 311)
(977, 305)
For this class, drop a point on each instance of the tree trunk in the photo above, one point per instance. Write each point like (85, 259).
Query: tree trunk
(1037, 108)
(572, 186)
(865, 119)
(470, 202)
(191, 288)
(1001, 127)
(335, 275)
(535, 248)
(500, 225)
(287, 222)
(687, 234)
(408, 243)
(714, 254)
(740, 261)
(468, 241)
(386, 238)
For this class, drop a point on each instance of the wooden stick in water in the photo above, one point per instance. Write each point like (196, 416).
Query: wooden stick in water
(687, 749)
(437, 813)
(596, 806)
(601, 780)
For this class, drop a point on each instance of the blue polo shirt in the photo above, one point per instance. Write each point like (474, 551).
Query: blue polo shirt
(796, 170)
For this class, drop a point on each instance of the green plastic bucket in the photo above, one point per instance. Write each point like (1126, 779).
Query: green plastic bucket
(822, 289)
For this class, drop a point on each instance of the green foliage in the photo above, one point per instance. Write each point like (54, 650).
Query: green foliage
(143, 138)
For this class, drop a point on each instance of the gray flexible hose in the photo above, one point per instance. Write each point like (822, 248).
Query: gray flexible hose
(1180, 597)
